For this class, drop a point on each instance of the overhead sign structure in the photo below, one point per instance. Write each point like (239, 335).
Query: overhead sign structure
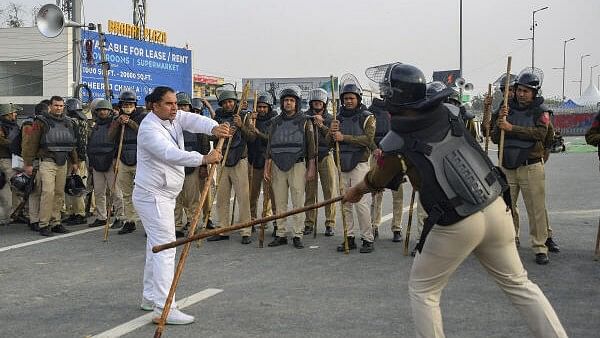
(135, 65)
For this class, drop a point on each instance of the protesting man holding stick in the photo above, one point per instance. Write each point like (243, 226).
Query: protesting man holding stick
(158, 181)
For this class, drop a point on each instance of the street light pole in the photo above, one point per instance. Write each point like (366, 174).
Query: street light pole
(533, 34)
(563, 67)
(581, 71)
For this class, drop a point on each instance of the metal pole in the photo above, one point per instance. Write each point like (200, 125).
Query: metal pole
(532, 39)
(563, 67)
(461, 41)
(76, 44)
(104, 63)
(581, 72)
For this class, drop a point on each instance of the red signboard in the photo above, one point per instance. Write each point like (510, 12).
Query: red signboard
(207, 79)
(573, 124)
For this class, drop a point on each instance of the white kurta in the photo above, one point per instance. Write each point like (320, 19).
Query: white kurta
(158, 180)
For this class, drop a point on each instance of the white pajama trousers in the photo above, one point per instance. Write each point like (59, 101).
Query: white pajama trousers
(157, 214)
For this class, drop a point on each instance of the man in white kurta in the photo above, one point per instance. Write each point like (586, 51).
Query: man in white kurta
(158, 181)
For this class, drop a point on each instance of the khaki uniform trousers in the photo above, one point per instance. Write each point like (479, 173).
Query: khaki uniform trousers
(125, 178)
(289, 184)
(235, 177)
(363, 214)
(33, 201)
(103, 182)
(187, 200)
(8, 199)
(531, 181)
(397, 204)
(76, 205)
(489, 234)
(256, 182)
(50, 182)
(328, 177)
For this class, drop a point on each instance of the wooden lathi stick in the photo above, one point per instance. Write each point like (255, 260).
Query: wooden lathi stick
(186, 249)
(507, 84)
(114, 183)
(410, 218)
(234, 227)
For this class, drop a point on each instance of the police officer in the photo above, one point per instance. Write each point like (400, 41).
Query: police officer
(235, 171)
(75, 205)
(101, 155)
(317, 101)
(195, 177)
(354, 129)
(33, 199)
(464, 217)
(9, 130)
(257, 156)
(525, 123)
(467, 117)
(382, 126)
(129, 119)
(592, 136)
(291, 154)
(51, 139)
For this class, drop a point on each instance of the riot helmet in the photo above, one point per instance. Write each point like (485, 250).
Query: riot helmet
(265, 98)
(401, 85)
(434, 87)
(291, 91)
(74, 186)
(183, 98)
(318, 94)
(128, 96)
(21, 184)
(197, 103)
(529, 80)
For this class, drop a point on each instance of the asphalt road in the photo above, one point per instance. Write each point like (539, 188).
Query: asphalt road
(80, 286)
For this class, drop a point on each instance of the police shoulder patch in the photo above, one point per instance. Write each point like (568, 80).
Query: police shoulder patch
(545, 118)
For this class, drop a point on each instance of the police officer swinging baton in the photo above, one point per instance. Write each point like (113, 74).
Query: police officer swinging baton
(208, 233)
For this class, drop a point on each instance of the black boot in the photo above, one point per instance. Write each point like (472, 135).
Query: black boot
(397, 237)
(351, 245)
(117, 224)
(246, 240)
(328, 231)
(552, 246)
(209, 224)
(278, 241)
(76, 220)
(179, 234)
(60, 229)
(366, 247)
(541, 259)
(127, 228)
(217, 238)
(307, 230)
(297, 243)
(97, 223)
(274, 234)
(35, 226)
(45, 231)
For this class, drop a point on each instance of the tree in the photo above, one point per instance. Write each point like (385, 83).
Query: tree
(15, 13)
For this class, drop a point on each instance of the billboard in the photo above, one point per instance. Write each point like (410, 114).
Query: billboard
(135, 65)
(448, 77)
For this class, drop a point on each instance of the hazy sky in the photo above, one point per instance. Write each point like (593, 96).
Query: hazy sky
(278, 38)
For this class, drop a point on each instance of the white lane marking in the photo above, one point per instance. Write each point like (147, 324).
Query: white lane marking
(48, 239)
(576, 212)
(135, 324)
